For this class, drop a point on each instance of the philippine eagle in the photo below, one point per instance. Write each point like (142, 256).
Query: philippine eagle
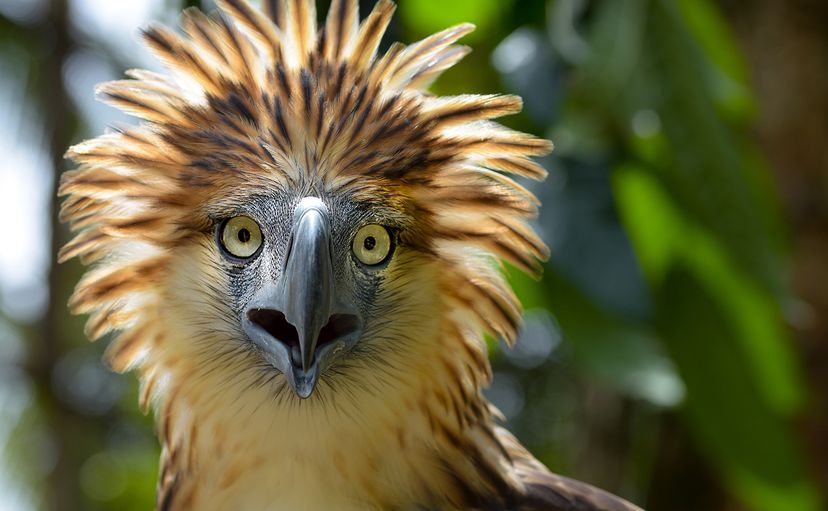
(296, 249)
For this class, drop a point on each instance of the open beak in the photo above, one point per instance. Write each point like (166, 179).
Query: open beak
(297, 322)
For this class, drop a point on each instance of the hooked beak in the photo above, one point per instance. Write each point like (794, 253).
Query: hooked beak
(298, 323)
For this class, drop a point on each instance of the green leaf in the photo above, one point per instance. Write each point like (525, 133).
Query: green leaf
(727, 76)
(655, 228)
(623, 355)
(426, 17)
(711, 176)
(756, 320)
(663, 238)
(752, 445)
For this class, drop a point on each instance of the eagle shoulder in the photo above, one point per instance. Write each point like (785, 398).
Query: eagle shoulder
(547, 491)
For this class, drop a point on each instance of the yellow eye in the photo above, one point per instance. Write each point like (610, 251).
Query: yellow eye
(241, 236)
(372, 244)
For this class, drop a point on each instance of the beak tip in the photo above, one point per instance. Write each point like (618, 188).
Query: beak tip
(304, 382)
(304, 385)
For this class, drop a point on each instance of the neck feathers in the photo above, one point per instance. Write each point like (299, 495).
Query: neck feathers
(412, 430)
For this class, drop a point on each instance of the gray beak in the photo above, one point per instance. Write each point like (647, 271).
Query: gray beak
(298, 323)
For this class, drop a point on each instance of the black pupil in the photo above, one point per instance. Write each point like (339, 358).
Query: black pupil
(244, 235)
(369, 243)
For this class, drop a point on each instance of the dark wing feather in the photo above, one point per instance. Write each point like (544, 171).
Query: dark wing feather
(546, 491)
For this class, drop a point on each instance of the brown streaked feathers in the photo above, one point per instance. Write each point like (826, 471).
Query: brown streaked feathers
(266, 100)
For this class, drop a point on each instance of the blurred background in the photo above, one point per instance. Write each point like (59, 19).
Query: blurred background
(676, 350)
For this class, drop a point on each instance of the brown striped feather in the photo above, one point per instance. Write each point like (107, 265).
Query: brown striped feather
(370, 33)
(447, 111)
(444, 59)
(274, 11)
(300, 30)
(340, 28)
(123, 352)
(418, 56)
(257, 24)
(204, 33)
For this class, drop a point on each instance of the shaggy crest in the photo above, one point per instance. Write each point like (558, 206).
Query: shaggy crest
(269, 99)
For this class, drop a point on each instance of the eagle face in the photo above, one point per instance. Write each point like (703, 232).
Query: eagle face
(302, 191)
(294, 211)
(308, 278)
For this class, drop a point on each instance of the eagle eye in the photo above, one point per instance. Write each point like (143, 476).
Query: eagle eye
(372, 245)
(241, 237)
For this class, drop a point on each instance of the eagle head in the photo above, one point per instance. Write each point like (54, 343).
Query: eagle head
(294, 208)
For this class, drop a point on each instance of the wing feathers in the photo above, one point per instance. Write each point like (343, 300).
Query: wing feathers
(545, 491)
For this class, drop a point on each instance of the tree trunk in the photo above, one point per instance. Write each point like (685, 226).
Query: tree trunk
(51, 340)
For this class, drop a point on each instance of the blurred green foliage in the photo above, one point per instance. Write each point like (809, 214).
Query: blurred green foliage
(650, 102)
(657, 98)
(664, 294)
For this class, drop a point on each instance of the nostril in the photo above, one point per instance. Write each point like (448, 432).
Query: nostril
(338, 325)
(277, 326)
(274, 323)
